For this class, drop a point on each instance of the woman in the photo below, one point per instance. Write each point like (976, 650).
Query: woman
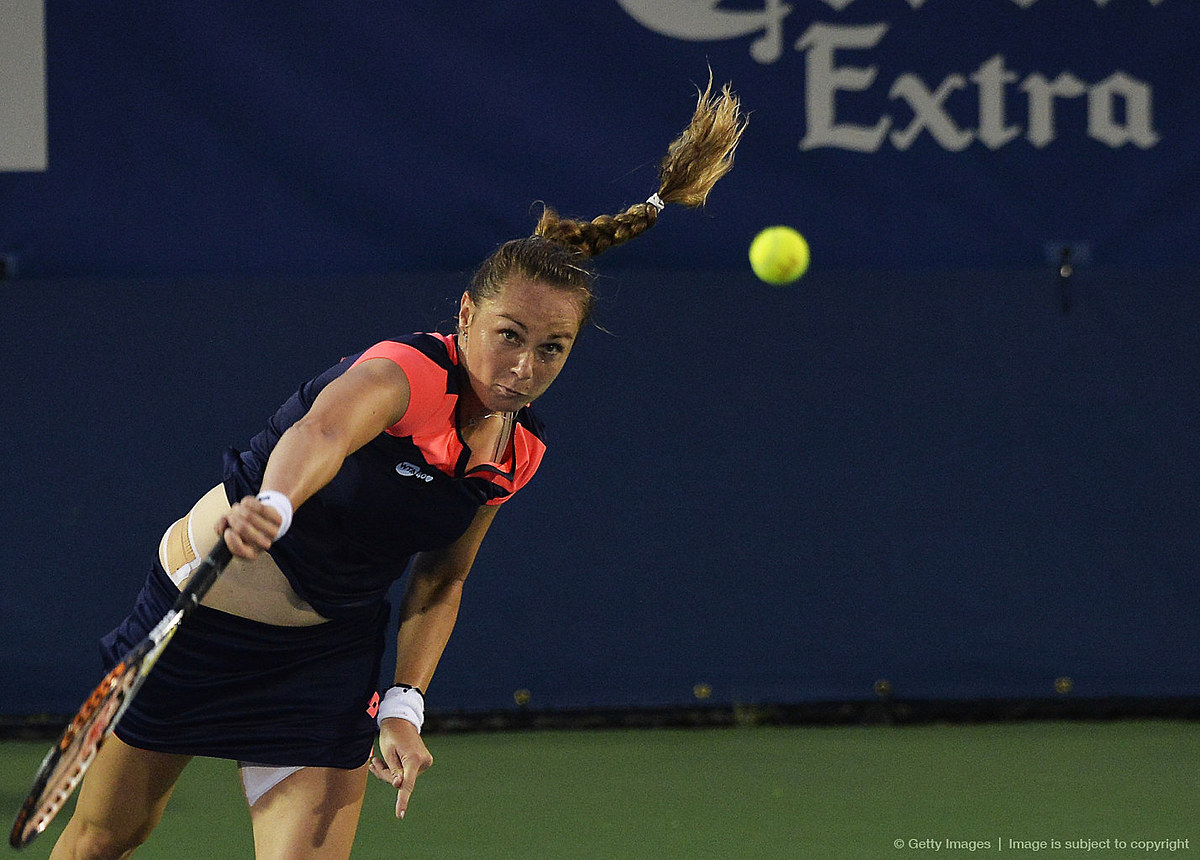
(395, 459)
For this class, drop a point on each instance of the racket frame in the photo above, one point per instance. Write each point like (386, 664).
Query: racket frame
(98, 716)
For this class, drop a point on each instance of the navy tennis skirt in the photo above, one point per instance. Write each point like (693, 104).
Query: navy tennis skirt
(229, 687)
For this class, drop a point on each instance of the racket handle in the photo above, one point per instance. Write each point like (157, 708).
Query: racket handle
(204, 576)
(220, 555)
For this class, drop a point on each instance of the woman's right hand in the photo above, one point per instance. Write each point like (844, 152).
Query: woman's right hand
(249, 527)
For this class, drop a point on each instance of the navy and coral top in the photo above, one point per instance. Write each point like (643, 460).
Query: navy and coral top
(406, 491)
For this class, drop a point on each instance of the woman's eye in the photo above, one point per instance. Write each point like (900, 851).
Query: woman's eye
(509, 335)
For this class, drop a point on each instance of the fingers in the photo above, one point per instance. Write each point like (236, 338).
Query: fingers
(249, 527)
(380, 770)
(400, 770)
(404, 783)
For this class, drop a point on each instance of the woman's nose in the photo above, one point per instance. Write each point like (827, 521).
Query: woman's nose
(524, 365)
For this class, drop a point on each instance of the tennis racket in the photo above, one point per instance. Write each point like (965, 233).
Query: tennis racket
(66, 762)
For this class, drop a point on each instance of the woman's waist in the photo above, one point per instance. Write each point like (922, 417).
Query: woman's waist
(255, 589)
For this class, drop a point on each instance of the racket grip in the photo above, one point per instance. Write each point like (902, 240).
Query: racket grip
(204, 576)
(220, 555)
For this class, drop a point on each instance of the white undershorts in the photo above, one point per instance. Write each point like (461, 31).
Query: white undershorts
(258, 779)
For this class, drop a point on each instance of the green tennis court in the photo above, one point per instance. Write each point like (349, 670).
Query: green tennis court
(1108, 789)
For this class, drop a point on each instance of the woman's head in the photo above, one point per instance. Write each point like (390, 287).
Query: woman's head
(519, 319)
(514, 336)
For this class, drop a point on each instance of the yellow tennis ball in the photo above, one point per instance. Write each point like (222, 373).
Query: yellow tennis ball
(779, 255)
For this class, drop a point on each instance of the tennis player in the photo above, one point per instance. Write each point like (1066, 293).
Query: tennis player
(397, 458)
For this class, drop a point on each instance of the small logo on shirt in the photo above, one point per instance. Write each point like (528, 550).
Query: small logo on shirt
(408, 470)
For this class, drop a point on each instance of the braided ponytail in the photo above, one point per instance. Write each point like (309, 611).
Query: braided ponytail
(695, 160)
(557, 252)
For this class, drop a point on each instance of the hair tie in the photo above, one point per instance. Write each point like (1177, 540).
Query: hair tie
(656, 201)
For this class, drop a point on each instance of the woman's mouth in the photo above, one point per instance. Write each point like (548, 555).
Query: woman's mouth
(511, 393)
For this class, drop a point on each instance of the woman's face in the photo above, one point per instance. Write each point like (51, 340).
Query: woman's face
(514, 344)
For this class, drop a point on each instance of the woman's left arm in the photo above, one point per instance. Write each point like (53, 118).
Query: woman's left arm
(428, 613)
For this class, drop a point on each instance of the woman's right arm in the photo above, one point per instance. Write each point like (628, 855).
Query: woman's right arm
(349, 412)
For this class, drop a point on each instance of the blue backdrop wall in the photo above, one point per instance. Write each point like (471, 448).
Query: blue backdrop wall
(787, 495)
(925, 463)
(371, 137)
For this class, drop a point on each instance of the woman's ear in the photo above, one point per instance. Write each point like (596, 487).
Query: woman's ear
(466, 310)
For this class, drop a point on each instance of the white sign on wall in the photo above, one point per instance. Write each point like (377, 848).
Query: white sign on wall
(22, 85)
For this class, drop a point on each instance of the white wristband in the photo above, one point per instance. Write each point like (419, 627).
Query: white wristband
(282, 504)
(403, 702)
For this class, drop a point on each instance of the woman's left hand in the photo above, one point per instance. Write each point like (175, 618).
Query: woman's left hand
(402, 758)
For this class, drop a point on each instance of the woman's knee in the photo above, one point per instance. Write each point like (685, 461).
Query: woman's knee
(86, 839)
(120, 802)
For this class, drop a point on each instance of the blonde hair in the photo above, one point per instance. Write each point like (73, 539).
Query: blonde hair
(557, 252)
(695, 160)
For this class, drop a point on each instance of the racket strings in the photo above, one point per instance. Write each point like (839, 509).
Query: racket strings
(70, 758)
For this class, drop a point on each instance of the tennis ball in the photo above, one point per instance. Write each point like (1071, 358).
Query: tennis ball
(779, 255)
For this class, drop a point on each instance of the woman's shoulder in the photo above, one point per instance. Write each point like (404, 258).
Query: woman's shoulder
(440, 349)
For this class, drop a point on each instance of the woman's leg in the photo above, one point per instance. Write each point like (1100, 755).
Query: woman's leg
(312, 814)
(120, 801)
